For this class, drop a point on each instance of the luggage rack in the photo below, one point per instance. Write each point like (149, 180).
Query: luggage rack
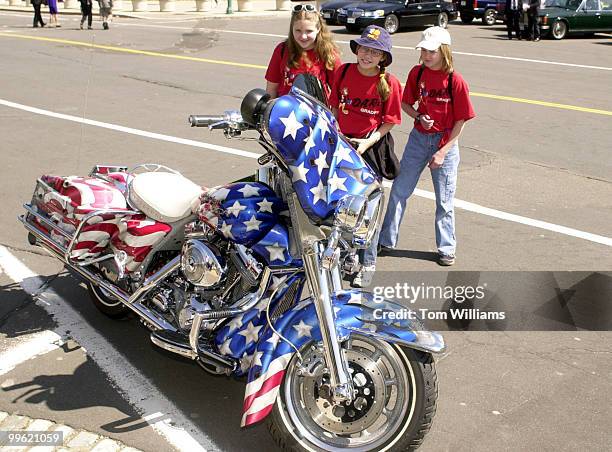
(43, 188)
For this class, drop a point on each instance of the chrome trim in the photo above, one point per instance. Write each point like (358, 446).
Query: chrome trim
(317, 277)
(46, 221)
(427, 341)
(174, 347)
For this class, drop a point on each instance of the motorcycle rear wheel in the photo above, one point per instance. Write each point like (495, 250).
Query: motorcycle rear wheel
(106, 303)
(395, 404)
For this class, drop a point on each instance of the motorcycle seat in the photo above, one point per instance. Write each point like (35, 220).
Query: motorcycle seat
(163, 196)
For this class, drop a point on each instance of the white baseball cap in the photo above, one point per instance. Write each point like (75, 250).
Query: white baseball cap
(433, 37)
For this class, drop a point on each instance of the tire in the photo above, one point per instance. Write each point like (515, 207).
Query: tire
(106, 303)
(489, 17)
(466, 18)
(558, 29)
(353, 28)
(442, 20)
(294, 428)
(391, 23)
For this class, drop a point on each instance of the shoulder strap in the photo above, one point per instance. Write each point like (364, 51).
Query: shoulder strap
(419, 75)
(450, 87)
(345, 68)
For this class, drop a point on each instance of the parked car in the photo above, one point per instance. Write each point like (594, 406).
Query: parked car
(559, 18)
(488, 10)
(394, 14)
(329, 10)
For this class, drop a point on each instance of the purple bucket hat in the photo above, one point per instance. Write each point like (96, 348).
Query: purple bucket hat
(374, 37)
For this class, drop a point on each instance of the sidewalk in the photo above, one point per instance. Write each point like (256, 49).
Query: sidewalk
(182, 8)
(73, 440)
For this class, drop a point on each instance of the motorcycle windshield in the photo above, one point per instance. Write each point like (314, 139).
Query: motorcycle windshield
(324, 167)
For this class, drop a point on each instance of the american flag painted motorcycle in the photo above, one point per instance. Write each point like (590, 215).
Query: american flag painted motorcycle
(245, 279)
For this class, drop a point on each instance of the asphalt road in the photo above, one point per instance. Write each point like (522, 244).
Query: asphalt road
(538, 150)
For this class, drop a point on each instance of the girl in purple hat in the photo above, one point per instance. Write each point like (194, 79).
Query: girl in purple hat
(366, 100)
(309, 49)
(438, 100)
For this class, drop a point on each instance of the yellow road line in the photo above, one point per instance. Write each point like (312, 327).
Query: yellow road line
(257, 66)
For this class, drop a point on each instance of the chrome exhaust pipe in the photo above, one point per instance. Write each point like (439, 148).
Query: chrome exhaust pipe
(174, 343)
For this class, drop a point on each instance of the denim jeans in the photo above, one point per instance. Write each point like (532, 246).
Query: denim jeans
(419, 150)
(367, 257)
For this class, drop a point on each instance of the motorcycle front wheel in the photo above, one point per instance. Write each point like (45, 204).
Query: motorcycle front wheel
(393, 408)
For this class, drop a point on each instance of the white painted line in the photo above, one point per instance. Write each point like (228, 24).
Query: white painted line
(458, 52)
(135, 388)
(466, 205)
(29, 346)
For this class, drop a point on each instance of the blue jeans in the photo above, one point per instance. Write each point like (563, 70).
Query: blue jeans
(419, 150)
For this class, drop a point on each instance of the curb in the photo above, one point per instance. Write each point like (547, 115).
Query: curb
(73, 439)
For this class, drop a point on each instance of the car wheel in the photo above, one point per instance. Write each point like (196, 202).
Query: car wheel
(466, 18)
(442, 20)
(558, 29)
(391, 23)
(353, 28)
(490, 16)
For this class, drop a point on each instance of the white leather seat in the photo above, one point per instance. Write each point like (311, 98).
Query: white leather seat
(162, 196)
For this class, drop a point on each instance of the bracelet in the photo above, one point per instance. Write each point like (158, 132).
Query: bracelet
(418, 117)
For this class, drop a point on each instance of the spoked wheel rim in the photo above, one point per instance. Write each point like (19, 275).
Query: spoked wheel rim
(384, 388)
(391, 23)
(559, 30)
(443, 20)
(489, 18)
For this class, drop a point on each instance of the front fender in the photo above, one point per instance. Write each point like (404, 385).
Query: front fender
(356, 312)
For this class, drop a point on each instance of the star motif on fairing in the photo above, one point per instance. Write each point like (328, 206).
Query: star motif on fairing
(321, 162)
(298, 173)
(310, 143)
(235, 209)
(249, 190)
(343, 154)
(304, 106)
(303, 329)
(256, 360)
(251, 333)
(252, 224)
(265, 206)
(355, 298)
(226, 349)
(263, 304)
(319, 192)
(323, 126)
(277, 282)
(274, 340)
(221, 193)
(277, 253)
(245, 362)
(336, 183)
(226, 230)
(292, 125)
(235, 323)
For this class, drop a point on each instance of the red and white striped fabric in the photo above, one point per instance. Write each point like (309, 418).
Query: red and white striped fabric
(261, 393)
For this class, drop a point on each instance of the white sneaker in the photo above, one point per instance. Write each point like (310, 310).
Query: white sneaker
(364, 277)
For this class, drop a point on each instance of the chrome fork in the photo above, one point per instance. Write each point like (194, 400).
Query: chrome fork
(319, 272)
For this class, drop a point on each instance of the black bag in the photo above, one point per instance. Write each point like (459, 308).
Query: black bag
(382, 159)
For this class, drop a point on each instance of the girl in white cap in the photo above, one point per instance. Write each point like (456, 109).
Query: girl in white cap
(443, 108)
(366, 100)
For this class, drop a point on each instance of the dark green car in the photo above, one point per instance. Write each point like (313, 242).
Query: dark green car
(558, 18)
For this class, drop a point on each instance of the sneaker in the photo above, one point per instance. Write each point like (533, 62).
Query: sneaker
(446, 260)
(105, 26)
(364, 276)
(382, 250)
(81, 26)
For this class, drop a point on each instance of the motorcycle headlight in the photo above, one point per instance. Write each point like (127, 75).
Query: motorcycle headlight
(359, 216)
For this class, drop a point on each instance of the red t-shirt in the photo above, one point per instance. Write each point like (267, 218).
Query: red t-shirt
(434, 100)
(279, 72)
(360, 108)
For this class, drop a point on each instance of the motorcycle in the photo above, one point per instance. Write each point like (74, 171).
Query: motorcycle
(245, 279)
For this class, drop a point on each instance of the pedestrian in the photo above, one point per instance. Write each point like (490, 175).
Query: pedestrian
(86, 13)
(514, 9)
(309, 49)
(36, 4)
(105, 11)
(53, 22)
(366, 100)
(533, 17)
(443, 108)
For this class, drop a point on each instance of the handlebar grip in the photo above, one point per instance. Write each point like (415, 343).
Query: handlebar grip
(204, 120)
